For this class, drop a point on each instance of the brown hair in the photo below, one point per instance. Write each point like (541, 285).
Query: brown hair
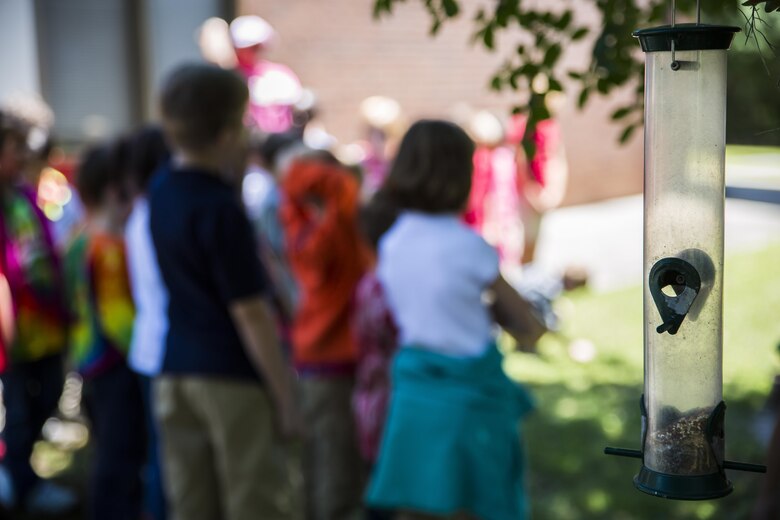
(148, 150)
(432, 171)
(103, 167)
(199, 101)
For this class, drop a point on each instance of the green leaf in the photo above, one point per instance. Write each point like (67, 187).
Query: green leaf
(575, 75)
(525, 19)
(552, 55)
(451, 8)
(513, 79)
(564, 21)
(496, 83)
(529, 70)
(382, 7)
(529, 146)
(555, 85)
(626, 135)
(487, 37)
(521, 49)
(584, 95)
(620, 113)
(602, 85)
(579, 34)
(519, 109)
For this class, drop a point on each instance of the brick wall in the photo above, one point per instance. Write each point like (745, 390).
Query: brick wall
(344, 55)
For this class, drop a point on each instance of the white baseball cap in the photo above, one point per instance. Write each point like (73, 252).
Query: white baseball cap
(250, 30)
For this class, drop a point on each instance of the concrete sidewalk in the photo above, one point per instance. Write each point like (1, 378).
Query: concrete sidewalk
(606, 238)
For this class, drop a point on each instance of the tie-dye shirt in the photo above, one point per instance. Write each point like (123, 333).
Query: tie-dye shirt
(101, 302)
(6, 318)
(32, 269)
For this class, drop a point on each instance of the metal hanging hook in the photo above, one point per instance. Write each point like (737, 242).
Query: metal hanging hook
(675, 64)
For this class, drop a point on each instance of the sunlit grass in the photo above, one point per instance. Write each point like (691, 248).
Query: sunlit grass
(734, 151)
(585, 406)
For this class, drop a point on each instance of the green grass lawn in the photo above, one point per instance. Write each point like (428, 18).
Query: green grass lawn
(585, 406)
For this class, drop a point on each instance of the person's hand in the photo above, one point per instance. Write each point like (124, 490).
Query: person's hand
(289, 419)
(290, 422)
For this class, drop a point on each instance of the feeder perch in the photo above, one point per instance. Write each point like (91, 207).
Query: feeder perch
(683, 442)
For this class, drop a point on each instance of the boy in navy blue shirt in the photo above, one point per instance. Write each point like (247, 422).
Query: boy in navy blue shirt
(225, 398)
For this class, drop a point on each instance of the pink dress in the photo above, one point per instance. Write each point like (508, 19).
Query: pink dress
(377, 336)
(493, 208)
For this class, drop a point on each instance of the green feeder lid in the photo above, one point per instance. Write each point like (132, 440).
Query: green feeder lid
(686, 37)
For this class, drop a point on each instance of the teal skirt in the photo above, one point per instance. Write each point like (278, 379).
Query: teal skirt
(452, 441)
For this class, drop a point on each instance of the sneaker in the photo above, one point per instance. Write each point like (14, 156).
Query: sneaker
(48, 498)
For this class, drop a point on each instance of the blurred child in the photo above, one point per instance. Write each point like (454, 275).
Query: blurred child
(148, 152)
(263, 199)
(274, 89)
(493, 210)
(328, 259)
(33, 381)
(55, 197)
(377, 339)
(543, 177)
(102, 308)
(384, 126)
(450, 445)
(224, 382)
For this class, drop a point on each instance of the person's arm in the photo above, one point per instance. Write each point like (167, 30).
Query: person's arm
(515, 315)
(254, 321)
(243, 284)
(6, 312)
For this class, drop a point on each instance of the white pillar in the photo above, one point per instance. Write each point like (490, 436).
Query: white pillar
(169, 37)
(19, 55)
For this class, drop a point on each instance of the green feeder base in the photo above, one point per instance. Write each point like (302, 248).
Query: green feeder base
(682, 487)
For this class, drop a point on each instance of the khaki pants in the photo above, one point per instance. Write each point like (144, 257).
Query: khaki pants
(221, 458)
(333, 473)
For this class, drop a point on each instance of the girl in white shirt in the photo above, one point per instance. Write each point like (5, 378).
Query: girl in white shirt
(450, 444)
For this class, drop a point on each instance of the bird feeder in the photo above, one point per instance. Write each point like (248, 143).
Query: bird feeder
(683, 442)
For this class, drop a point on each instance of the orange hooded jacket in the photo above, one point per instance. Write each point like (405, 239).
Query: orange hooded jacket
(327, 257)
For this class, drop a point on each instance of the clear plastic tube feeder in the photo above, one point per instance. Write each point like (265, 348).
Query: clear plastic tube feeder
(683, 442)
